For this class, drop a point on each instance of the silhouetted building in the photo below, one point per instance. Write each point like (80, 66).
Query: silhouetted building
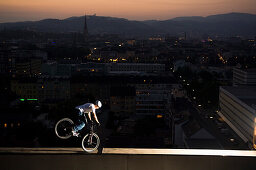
(85, 28)
(244, 76)
(137, 67)
(122, 99)
(152, 99)
(25, 88)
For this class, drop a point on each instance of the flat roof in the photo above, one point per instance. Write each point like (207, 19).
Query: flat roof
(133, 151)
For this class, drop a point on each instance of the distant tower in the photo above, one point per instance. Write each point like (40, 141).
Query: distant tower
(85, 28)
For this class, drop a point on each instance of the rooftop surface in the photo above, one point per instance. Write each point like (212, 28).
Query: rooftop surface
(132, 151)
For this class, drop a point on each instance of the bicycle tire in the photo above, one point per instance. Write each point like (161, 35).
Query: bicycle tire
(88, 150)
(57, 131)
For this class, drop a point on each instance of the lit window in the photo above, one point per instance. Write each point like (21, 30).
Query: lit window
(5, 125)
(159, 116)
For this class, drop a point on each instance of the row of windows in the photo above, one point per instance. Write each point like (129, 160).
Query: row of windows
(236, 117)
(151, 107)
(241, 114)
(9, 125)
(242, 126)
(248, 135)
(150, 102)
(238, 106)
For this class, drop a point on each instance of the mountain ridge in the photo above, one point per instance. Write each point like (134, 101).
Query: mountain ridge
(229, 24)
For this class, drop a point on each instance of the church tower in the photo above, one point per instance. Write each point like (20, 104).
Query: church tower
(85, 28)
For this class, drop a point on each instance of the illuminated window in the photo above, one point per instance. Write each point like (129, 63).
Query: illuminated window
(18, 124)
(5, 125)
(159, 116)
(11, 125)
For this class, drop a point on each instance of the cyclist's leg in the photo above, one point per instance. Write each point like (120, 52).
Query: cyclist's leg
(102, 139)
(79, 126)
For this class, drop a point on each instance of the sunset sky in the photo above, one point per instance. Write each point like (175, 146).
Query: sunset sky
(21, 10)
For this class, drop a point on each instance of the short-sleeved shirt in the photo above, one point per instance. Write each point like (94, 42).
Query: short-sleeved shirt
(86, 108)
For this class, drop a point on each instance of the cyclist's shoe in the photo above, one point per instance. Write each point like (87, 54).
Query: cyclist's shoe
(74, 133)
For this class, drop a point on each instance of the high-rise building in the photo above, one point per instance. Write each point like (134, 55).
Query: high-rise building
(238, 110)
(152, 99)
(85, 28)
(245, 77)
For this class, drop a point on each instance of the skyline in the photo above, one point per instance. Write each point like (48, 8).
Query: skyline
(32, 10)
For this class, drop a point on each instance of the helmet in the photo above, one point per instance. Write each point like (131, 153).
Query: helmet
(98, 103)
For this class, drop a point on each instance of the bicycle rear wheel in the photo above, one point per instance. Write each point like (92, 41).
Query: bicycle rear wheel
(63, 128)
(90, 142)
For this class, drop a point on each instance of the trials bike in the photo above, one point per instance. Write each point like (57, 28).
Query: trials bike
(90, 141)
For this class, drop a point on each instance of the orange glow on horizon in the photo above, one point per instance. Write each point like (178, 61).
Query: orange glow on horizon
(131, 9)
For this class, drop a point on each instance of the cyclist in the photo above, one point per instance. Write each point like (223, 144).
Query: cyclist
(86, 110)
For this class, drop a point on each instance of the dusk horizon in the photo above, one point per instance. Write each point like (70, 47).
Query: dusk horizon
(128, 85)
(119, 17)
(24, 10)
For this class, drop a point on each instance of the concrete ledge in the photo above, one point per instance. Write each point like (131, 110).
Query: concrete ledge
(133, 151)
(125, 159)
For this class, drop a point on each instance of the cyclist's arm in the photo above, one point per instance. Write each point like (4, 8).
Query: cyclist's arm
(89, 115)
(95, 116)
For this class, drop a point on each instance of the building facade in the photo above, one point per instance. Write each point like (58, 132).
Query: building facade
(245, 77)
(238, 110)
(139, 67)
(152, 99)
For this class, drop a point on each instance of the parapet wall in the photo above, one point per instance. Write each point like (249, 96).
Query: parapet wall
(67, 160)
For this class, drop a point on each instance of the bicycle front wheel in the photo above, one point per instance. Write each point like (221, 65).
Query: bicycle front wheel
(90, 142)
(63, 128)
